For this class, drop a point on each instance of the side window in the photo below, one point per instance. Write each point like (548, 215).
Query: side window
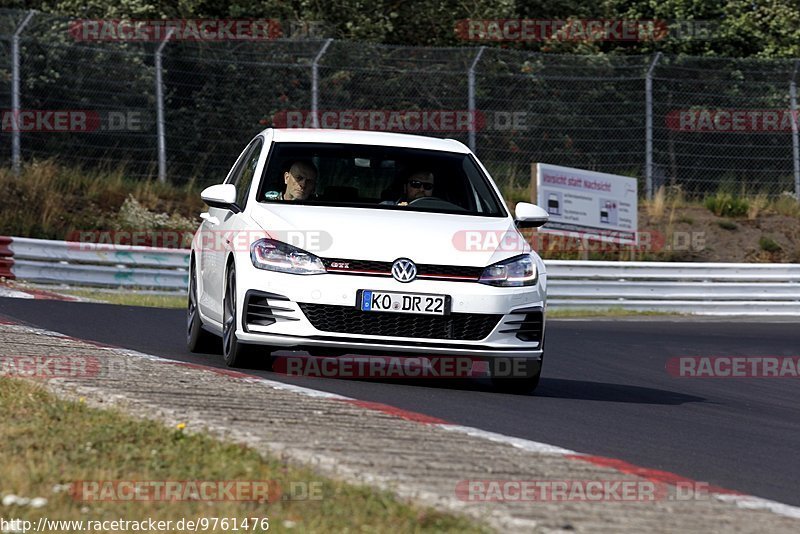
(233, 175)
(243, 176)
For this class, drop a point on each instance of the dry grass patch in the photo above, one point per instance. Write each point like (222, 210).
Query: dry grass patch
(46, 444)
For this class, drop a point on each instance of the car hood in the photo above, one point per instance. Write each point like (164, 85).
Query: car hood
(386, 235)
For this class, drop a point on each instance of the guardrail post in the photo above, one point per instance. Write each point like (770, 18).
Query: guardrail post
(471, 96)
(160, 126)
(315, 83)
(795, 140)
(648, 95)
(16, 146)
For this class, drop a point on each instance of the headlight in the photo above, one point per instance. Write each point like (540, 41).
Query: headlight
(277, 256)
(514, 272)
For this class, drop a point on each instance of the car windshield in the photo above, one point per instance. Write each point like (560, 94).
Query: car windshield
(378, 177)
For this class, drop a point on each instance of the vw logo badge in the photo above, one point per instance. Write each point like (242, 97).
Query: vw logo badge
(404, 270)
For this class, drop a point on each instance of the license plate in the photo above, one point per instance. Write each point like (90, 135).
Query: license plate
(386, 301)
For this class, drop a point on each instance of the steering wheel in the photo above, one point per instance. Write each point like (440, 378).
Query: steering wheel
(422, 199)
(434, 202)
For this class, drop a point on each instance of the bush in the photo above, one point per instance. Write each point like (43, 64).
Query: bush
(768, 244)
(133, 216)
(787, 205)
(726, 205)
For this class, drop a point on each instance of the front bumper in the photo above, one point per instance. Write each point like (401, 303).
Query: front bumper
(279, 319)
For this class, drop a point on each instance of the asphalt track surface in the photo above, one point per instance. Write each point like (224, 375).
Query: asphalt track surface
(605, 391)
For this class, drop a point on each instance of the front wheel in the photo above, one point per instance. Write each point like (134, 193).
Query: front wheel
(516, 375)
(197, 339)
(235, 353)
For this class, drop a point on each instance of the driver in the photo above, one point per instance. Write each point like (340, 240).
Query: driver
(418, 185)
(300, 180)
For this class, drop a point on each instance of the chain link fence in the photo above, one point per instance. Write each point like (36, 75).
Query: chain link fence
(8, 24)
(704, 124)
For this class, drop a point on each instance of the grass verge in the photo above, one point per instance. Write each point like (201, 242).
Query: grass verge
(130, 298)
(68, 199)
(179, 301)
(47, 443)
(568, 313)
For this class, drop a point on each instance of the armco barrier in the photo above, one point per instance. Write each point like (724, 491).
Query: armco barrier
(91, 264)
(700, 288)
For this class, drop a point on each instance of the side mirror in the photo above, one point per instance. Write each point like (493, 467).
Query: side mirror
(530, 215)
(221, 196)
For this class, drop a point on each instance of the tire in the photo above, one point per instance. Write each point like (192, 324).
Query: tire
(519, 385)
(197, 339)
(235, 353)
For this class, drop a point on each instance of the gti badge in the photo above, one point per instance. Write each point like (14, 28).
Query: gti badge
(404, 270)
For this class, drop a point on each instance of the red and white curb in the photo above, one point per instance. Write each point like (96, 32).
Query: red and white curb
(6, 258)
(30, 293)
(7, 273)
(740, 500)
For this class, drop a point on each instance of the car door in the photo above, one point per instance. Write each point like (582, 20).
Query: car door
(217, 226)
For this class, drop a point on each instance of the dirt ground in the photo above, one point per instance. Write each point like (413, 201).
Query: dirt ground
(696, 234)
(689, 232)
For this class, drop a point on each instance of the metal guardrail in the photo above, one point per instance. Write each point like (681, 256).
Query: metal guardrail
(700, 288)
(91, 264)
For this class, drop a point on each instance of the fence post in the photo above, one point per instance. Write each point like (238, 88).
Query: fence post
(16, 146)
(795, 140)
(160, 126)
(648, 170)
(315, 83)
(471, 97)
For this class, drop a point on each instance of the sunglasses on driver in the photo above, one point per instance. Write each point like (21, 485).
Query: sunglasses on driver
(416, 184)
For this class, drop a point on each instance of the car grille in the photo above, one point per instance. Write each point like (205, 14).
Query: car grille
(384, 268)
(261, 312)
(527, 324)
(350, 320)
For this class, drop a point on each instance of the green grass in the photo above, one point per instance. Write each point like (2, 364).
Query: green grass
(567, 313)
(786, 205)
(727, 205)
(767, 244)
(61, 200)
(45, 441)
(69, 199)
(130, 298)
(179, 301)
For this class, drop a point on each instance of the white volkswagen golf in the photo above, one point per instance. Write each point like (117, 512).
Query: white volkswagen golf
(350, 242)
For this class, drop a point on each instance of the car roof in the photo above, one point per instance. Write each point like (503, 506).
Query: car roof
(361, 137)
